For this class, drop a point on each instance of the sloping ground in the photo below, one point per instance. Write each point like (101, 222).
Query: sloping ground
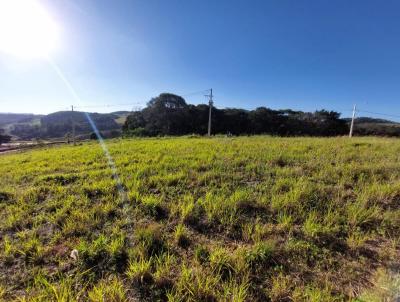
(59, 124)
(377, 129)
(222, 219)
(9, 118)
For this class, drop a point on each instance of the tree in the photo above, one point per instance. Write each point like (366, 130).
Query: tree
(168, 114)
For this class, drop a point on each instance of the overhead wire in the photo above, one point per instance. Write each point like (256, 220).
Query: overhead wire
(378, 113)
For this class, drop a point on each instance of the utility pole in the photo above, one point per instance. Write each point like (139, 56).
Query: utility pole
(73, 125)
(352, 121)
(210, 104)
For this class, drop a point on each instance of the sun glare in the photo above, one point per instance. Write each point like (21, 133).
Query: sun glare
(26, 29)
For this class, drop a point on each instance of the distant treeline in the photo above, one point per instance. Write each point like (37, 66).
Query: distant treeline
(59, 125)
(169, 114)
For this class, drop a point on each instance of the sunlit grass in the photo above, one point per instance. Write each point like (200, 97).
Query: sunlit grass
(221, 219)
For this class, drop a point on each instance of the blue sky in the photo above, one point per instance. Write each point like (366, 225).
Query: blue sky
(303, 55)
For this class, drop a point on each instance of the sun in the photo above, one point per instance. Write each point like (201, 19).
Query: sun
(26, 29)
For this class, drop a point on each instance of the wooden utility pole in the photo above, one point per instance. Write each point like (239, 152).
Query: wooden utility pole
(352, 121)
(73, 125)
(210, 104)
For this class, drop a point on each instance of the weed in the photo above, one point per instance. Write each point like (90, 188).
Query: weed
(62, 291)
(221, 263)
(261, 254)
(5, 196)
(281, 288)
(190, 212)
(285, 221)
(152, 206)
(356, 239)
(267, 218)
(236, 291)
(386, 287)
(193, 285)
(139, 271)
(181, 236)
(150, 240)
(103, 254)
(108, 290)
(33, 251)
(201, 254)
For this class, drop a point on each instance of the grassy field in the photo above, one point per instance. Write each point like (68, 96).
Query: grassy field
(221, 219)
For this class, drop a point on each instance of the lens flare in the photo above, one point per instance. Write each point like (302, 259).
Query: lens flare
(122, 193)
(26, 29)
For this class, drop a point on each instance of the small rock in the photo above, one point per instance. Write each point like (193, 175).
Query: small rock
(74, 254)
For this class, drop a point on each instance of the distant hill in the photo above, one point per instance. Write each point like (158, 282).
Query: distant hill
(363, 120)
(364, 126)
(9, 118)
(59, 124)
(122, 116)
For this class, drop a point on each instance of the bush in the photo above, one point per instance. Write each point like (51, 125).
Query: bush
(138, 132)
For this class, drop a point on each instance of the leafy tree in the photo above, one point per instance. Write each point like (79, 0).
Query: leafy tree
(164, 115)
(168, 114)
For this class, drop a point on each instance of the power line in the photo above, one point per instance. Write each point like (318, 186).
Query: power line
(195, 93)
(108, 105)
(383, 114)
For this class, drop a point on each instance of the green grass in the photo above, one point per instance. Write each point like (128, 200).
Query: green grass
(221, 219)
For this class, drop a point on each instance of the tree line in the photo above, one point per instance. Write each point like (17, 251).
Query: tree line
(169, 114)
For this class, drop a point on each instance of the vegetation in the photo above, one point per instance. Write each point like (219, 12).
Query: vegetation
(8, 118)
(4, 138)
(376, 127)
(197, 219)
(59, 124)
(168, 114)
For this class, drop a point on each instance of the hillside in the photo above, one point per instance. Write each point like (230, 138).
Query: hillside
(197, 219)
(10, 118)
(8, 121)
(59, 124)
(377, 127)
